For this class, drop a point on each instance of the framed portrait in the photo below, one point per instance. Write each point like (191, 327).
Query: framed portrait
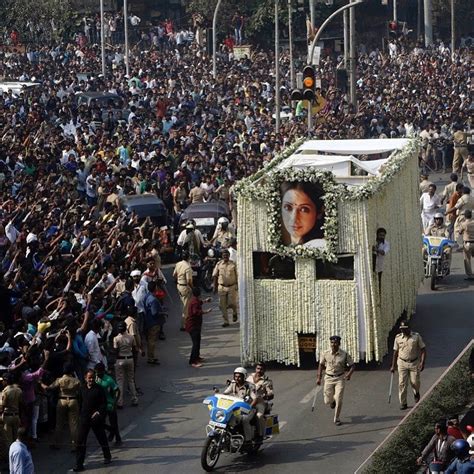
(302, 214)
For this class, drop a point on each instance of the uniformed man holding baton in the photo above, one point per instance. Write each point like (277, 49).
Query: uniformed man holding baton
(409, 354)
(339, 367)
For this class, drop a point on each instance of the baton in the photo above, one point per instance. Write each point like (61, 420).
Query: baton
(315, 395)
(390, 389)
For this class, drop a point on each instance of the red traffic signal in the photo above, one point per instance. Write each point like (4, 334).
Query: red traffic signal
(309, 83)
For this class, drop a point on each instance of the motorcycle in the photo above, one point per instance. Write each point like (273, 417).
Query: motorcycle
(225, 431)
(210, 261)
(436, 259)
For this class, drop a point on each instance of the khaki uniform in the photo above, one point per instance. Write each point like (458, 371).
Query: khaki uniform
(465, 202)
(197, 194)
(409, 352)
(10, 400)
(67, 408)
(124, 344)
(460, 150)
(226, 273)
(241, 392)
(183, 273)
(449, 190)
(438, 231)
(223, 238)
(133, 330)
(467, 231)
(469, 164)
(263, 388)
(334, 381)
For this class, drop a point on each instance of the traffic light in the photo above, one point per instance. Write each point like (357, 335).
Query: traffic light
(309, 83)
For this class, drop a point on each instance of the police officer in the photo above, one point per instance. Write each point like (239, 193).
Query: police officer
(339, 367)
(225, 284)
(67, 407)
(124, 344)
(10, 400)
(409, 354)
(467, 231)
(238, 387)
(264, 390)
(183, 274)
(438, 228)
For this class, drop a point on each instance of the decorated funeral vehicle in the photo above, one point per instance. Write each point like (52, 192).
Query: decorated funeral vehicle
(308, 261)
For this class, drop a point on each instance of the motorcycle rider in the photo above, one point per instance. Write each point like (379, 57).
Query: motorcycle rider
(264, 390)
(224, 235)
(238, 387)
(191, 239)
(439, 229)
(463, 463)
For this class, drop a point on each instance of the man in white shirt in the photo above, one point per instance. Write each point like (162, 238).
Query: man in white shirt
(92, 343)
(381, 248)
(20, 459)
(430, 202)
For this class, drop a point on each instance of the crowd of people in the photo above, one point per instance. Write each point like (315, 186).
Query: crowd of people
(81, 286)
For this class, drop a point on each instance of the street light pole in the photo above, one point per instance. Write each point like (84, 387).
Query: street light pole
(214, 39)
(290, 39)
(125, 19)
(395, 15)
(346, 38)
(102, 38)
(352, 58)
(453, 30)
(312, 14)
(428, 15)
(277, 72)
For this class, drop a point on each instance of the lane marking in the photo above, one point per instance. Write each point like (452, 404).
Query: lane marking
(309, 396)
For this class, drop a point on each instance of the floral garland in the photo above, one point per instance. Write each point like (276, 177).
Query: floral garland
(268, 191)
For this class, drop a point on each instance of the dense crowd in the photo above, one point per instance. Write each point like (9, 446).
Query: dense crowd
(74, 264)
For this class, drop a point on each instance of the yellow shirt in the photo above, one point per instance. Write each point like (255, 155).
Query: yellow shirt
(409, 348)
(336, 364)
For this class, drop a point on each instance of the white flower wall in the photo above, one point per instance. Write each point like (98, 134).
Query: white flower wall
(274, 312)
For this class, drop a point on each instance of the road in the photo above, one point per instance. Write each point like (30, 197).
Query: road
(165, 433)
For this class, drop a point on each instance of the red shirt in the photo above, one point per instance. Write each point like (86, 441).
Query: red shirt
(455, 431)
(194, 319)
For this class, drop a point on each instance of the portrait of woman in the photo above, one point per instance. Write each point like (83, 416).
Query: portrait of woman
(302, 214)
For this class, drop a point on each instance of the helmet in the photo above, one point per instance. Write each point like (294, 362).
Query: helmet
(470, 440)
(240, 370)
(438, 215)
(222, 220)
(460, 448)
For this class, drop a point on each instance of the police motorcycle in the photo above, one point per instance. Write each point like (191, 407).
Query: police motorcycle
(436, 257)
(225, 432)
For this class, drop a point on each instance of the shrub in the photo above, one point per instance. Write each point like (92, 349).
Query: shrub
(451, 395)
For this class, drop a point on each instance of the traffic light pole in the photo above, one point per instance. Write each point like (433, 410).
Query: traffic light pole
(290, 40)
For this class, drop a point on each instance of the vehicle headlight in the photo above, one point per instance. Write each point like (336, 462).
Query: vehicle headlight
(434, 251)
(211, 253)
(220, 416)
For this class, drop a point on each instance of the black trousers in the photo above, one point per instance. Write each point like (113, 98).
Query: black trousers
(113, 427)
(99, 431)
(196, 349)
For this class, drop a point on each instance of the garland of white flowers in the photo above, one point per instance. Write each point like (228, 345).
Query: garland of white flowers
(268, 191)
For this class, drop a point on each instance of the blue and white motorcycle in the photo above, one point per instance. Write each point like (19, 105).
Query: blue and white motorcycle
(225, 431)
(436, 258)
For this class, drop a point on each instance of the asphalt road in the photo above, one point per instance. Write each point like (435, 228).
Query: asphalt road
(165, 433)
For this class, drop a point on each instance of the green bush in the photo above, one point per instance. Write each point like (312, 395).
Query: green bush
(451, 395)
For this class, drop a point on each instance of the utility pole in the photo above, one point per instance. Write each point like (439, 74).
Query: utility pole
(125, 20)
(352, 58)
(395, 16)
(277, 72)
(214, 39)
(428, 14)
(346, 38)
(418, 20)
(290, 39)
(312, 13)
(102, 38)
(453, 30)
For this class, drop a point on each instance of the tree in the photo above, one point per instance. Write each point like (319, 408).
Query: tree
(48, 19)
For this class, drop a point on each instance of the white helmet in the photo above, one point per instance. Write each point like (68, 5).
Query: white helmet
(438, 215)
(222, 219)
(241, 370)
